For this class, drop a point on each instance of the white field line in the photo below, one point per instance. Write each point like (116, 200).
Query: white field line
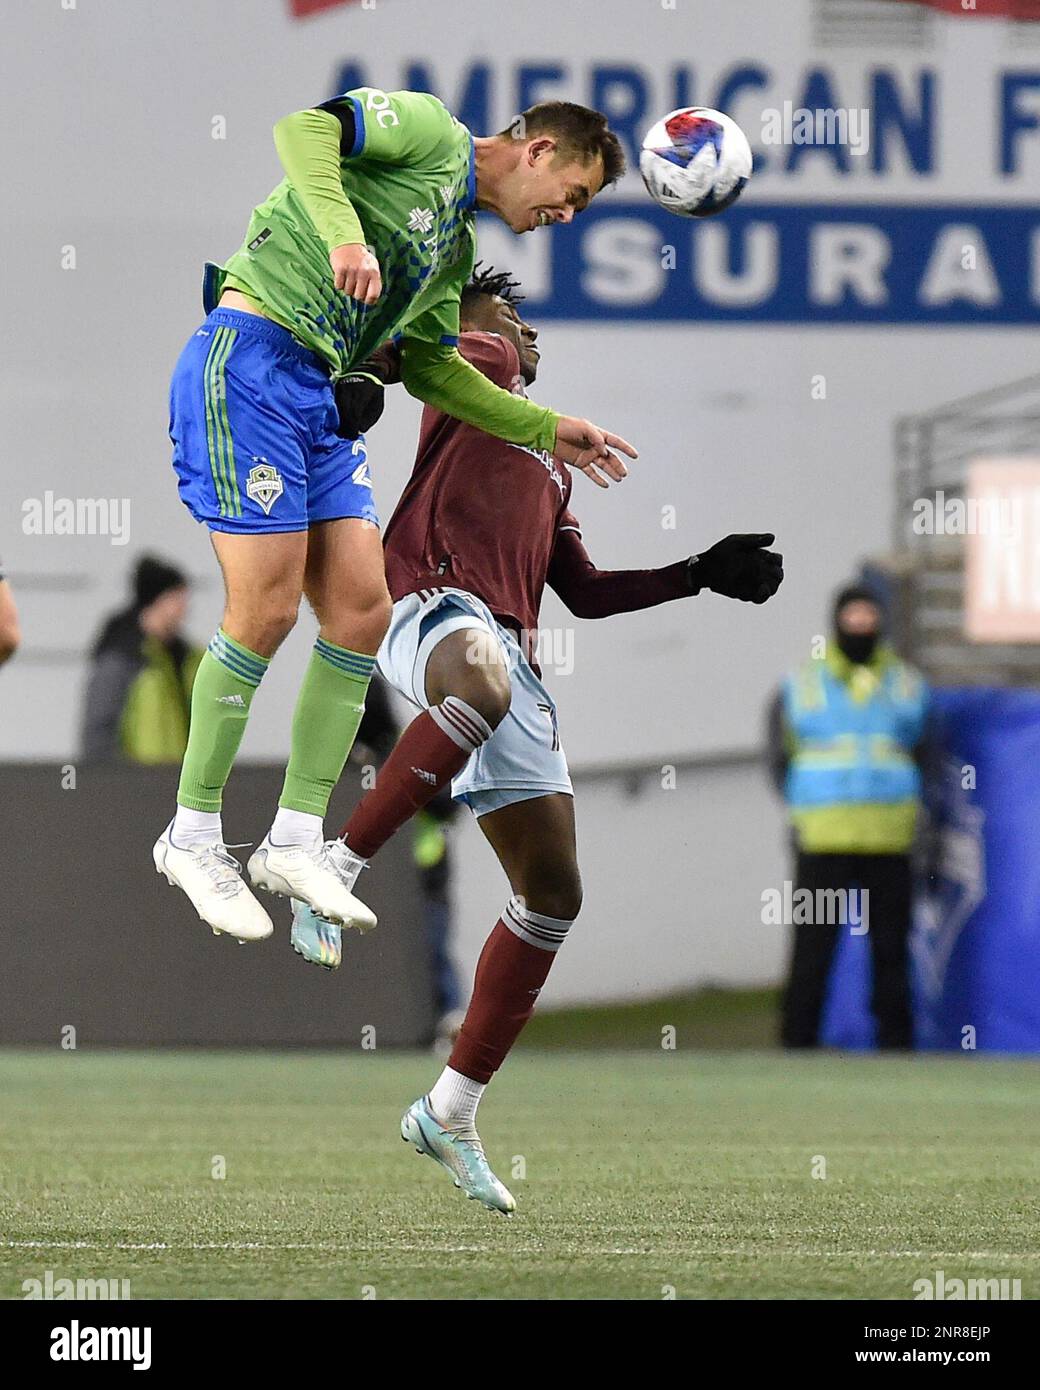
(326, 1247)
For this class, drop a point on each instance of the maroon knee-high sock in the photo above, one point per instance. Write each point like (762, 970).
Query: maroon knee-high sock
(429, 753)
(512, 968)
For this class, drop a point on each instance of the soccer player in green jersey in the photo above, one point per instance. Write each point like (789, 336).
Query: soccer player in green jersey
(370, 236)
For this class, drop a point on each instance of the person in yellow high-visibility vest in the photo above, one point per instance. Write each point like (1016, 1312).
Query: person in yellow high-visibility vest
(847, 739)
(142, 668)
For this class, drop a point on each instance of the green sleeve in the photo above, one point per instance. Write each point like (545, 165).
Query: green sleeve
(442, 378)
(439, 323)
(398, 127)
(308, 146)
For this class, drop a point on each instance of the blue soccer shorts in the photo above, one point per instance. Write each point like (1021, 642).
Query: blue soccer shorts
(253, 423)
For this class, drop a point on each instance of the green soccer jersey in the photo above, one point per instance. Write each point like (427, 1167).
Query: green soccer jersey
(409, 179)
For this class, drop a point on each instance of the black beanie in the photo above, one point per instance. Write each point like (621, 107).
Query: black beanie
(153, 577)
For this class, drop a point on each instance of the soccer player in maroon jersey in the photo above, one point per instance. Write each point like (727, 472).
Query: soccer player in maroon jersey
(476, 536)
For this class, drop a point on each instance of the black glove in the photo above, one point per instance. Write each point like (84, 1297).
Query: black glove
(739, 567)
(359, 399)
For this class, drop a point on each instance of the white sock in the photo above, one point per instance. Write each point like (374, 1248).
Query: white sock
(296, 828)
(192, 829)
(454, 1098)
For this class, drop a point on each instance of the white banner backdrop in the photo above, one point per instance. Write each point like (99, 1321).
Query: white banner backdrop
(760, 378)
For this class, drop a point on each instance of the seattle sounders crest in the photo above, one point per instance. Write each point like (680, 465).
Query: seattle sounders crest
(264, 485)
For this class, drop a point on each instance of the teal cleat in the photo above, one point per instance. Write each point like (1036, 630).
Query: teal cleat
(461, 1152)
(314, 938)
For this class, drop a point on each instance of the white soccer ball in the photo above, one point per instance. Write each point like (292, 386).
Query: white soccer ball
(695, 162)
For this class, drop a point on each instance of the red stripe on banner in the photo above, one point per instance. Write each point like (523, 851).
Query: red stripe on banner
(300, 9)
(984, 9)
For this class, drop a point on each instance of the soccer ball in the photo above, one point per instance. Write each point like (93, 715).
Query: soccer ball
(695, 162)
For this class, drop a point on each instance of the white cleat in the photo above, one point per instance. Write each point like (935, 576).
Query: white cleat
(321, 877)
(212, 879)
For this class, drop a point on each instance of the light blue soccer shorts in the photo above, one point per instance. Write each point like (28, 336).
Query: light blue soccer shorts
(523, 758)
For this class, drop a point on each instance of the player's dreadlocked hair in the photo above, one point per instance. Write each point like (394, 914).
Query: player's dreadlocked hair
(580, 134)
(487, 280)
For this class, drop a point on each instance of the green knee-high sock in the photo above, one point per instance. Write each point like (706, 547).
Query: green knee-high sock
(224, 686)
(325, 724)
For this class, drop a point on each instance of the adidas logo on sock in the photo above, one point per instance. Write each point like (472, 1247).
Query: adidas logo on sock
(235, 700)
(428, 777)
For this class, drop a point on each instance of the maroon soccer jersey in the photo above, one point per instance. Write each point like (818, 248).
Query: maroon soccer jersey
(492, 518)
(478, 514)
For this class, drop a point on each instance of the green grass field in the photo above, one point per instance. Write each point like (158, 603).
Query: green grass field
(643, 1171)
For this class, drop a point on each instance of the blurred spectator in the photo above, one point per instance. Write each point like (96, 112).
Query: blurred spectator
(142, 668)
(431, 852)
(846, 744)
(10, 633)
